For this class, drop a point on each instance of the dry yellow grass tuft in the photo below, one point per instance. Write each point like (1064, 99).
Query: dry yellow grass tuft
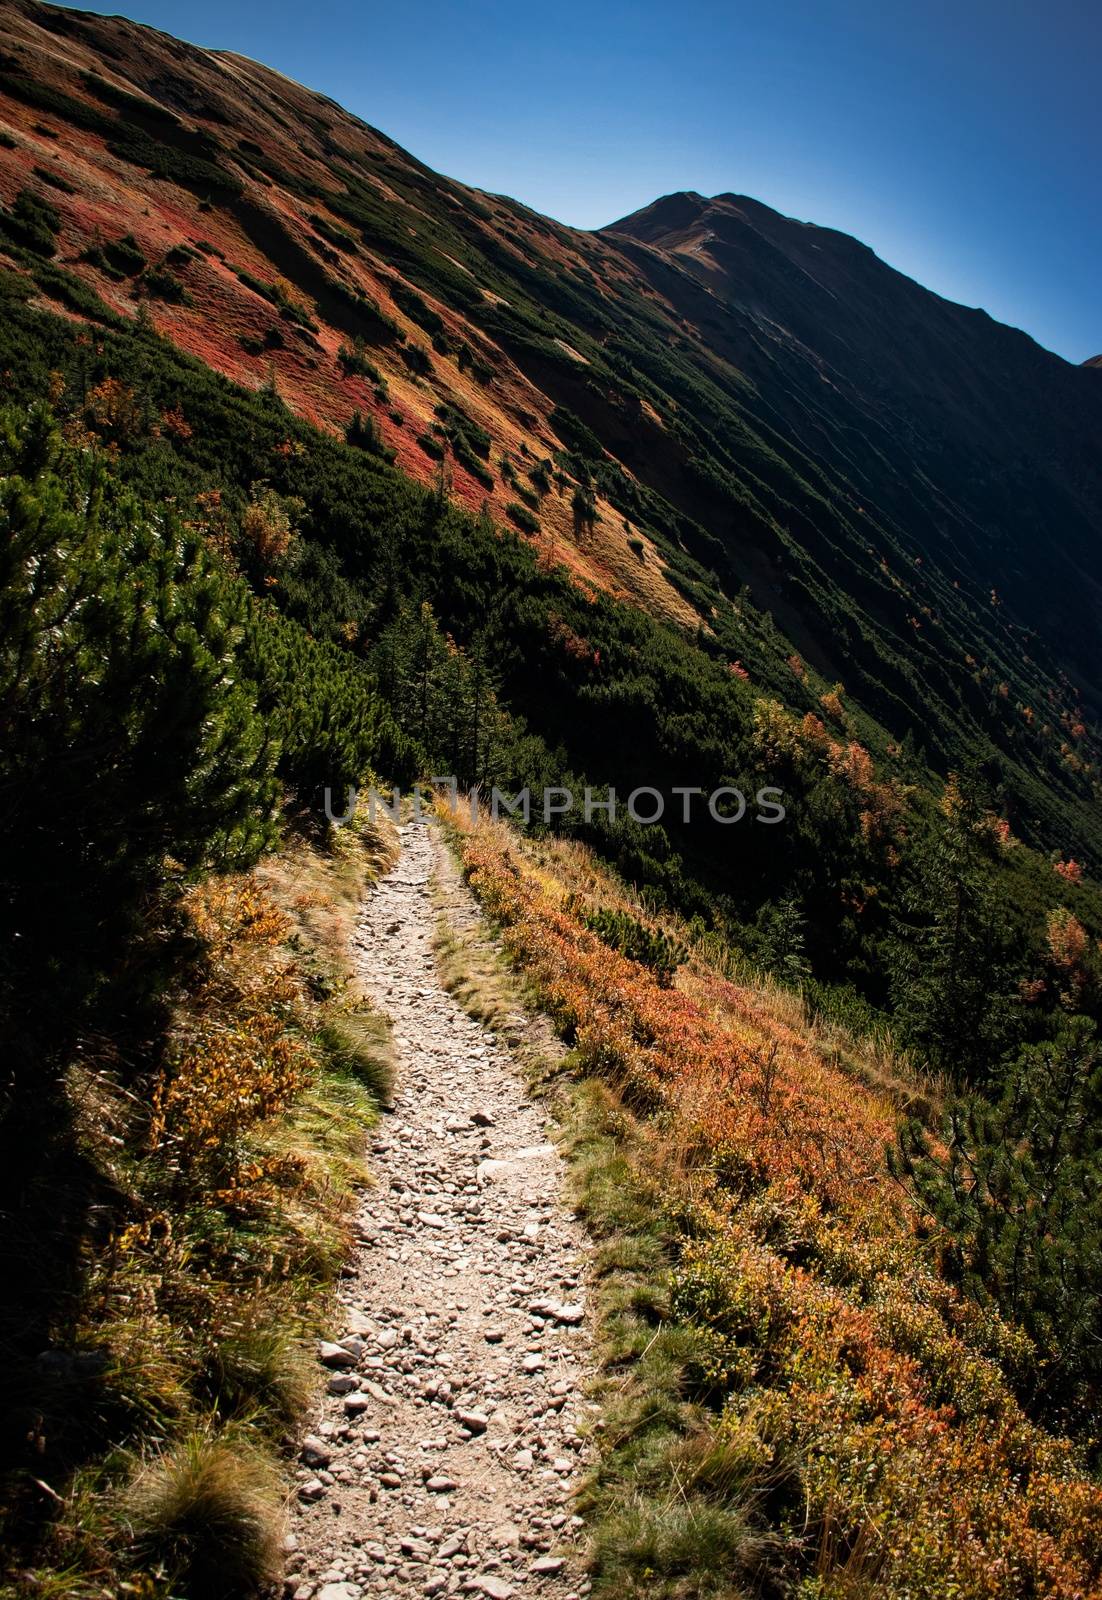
(207, 1511)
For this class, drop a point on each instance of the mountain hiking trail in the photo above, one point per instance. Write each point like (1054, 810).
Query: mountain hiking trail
(442, 1458)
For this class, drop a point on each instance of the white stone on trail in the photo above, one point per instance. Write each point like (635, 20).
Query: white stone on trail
(442, 1459)
(498, 1170)
(496, 1588)
(314, 1452)
(335, 1355)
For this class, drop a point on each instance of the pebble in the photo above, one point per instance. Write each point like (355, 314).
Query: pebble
(314, 1452)
(496, 1588)
(334, 1355)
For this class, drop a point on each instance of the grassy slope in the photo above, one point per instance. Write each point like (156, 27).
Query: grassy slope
(273, 236)
(608, 692)
(176, 1376)
(795, 1400)
(873, 506)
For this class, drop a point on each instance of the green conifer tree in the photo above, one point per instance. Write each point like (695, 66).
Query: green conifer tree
(128, 737)
(950, 985)
(1017, 1186)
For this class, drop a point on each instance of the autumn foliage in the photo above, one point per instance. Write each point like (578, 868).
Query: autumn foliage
(835, 1345)
(237, 1056)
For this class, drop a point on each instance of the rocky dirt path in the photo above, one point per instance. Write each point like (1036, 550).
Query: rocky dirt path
(442, 1459)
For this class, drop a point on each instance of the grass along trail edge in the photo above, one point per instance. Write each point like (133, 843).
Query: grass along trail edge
(795, 1400)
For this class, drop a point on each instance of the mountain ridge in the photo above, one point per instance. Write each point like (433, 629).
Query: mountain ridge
(684, 205)
(768, 430)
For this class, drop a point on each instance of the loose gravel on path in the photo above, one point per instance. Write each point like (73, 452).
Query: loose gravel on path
(443, 1456)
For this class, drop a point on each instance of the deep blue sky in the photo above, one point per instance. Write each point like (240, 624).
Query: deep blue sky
(962, 139)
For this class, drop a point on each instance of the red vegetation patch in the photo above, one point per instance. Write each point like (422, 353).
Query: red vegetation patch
(834, 1337)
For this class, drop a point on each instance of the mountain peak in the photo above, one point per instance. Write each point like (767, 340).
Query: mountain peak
(667, 214)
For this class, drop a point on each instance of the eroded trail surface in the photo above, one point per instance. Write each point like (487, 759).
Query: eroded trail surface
(442, 1459)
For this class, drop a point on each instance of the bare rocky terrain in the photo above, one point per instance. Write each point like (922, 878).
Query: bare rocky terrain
(442, 1458)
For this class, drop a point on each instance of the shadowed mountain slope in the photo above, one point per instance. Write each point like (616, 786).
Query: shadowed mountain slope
(962, 435)
(748, 426)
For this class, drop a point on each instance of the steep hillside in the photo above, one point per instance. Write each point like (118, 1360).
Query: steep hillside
(746, 425)
(963, 437)
(265, 230)
(317, 471)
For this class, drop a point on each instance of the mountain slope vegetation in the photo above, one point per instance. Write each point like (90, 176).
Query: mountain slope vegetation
(761, 426)
(317, 468)
(799, 1401)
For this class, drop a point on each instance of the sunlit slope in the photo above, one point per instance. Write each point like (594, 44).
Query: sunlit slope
(750, 427)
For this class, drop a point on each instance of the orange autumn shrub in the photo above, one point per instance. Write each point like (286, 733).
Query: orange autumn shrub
(826, 1328)
(235, 1056)
(779, 736)
(267, 526)
(114, 412)
(1068, 947)
(831, 703)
